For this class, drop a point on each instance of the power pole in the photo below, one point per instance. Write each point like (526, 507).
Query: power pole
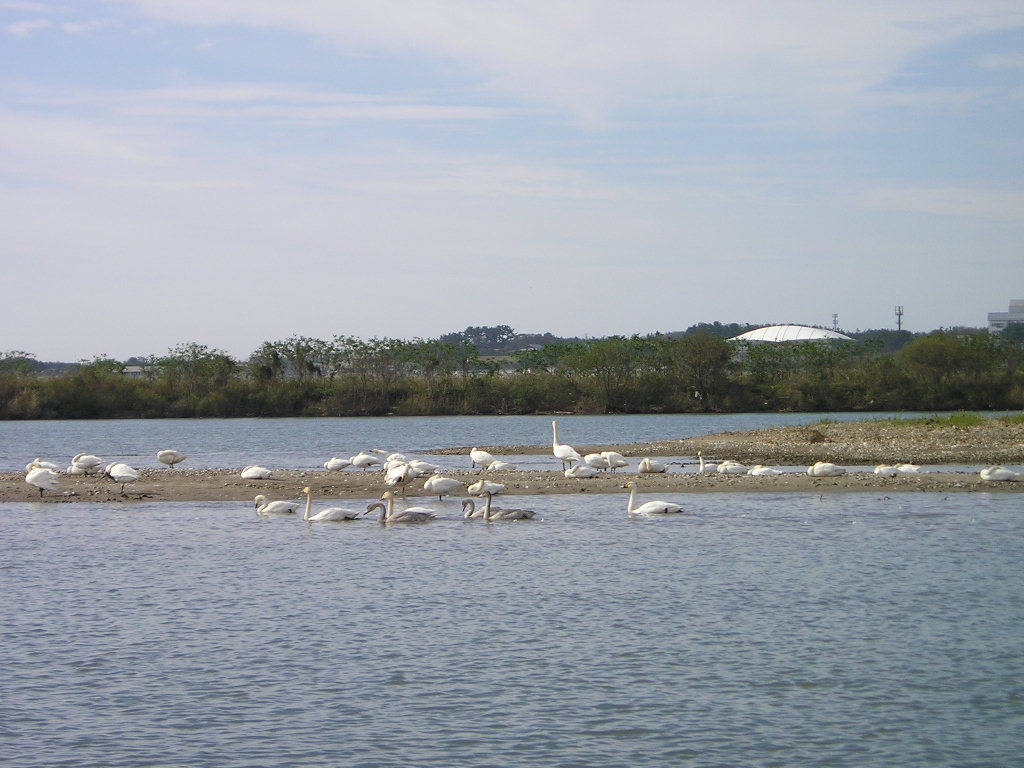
(835, 322)
(899, 318)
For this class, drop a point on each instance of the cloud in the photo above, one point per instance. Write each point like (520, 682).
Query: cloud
(27, 28)
(594, 58)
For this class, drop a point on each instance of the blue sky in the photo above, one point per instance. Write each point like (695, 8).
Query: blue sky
(237, 171)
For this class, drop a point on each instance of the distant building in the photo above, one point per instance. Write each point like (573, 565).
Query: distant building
(777, 333)
(997, 321)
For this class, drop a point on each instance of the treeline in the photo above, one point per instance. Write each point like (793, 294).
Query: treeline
(697, 372)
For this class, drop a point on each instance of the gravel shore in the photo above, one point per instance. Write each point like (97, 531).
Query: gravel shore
(852, 443)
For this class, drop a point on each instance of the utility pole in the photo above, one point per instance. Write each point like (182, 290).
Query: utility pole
(835, 322)
(899, 318)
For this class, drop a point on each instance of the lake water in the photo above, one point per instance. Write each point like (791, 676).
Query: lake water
(308, 443)
(760, 630)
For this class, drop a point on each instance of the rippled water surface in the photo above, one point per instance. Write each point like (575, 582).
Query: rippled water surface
(760, 630)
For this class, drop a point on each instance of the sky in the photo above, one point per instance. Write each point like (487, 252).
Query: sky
(230, 172)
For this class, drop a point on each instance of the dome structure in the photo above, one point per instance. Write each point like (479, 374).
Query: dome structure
(775, 333)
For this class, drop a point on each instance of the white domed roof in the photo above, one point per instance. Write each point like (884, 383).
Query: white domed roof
(789, 333)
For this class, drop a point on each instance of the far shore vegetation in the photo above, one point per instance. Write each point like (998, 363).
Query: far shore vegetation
(494, 370)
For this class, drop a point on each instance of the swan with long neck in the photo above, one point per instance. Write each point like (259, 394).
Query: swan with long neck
(564, 453)
(331, 514)
(649, 507)
(408, 515)
(705, 468)
(267, 507)
(496, 514)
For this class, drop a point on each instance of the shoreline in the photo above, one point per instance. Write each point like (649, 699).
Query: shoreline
(227, 485)
(846, 443)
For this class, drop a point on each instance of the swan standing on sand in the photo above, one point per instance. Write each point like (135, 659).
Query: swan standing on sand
(479, 458)
(498, 514)
(43, 478)
(170, 457)
(649, 507)
(121, 473)
(615, 460)
(440, 485)
(998, 474)
(336, 464)
(408, 515)
(331, 514)
(265, 507)
(564, 453)
(85, 464)
(365, 460)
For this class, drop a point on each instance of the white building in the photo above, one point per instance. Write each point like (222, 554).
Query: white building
(997, 321)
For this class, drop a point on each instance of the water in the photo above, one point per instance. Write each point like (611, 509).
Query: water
(307, 443)
(762, 630)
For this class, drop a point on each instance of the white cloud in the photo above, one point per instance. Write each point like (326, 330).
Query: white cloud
(27, 28)
(591, 58)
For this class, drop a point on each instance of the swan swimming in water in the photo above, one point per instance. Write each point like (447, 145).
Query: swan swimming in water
(408, 515)
(266, 507)
(649, 507)
(564, 453)
(497, 514)
(331, 514)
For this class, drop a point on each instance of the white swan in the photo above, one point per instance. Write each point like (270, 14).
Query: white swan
(336, 464)
(121, 473)
(365, 460)
(581, 472)
(730, 467)
(481, 487)
(266, 507)
(87, 462)
(908, 469)
(615, 460)
(423, 468)
(408, 515)
(564, 453)
(43, 478)
(649, 507)
(596, 460)
(998, 474)
(649, 466)
(440, 485)
(331, 514)
(479, 458)
(886, 470)
(170, 457)
(399, 475)
(501, 466)
(760, 470)
(825, 469)
(255, 472)
(498, 514)
(40, 464)
(705, 468)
